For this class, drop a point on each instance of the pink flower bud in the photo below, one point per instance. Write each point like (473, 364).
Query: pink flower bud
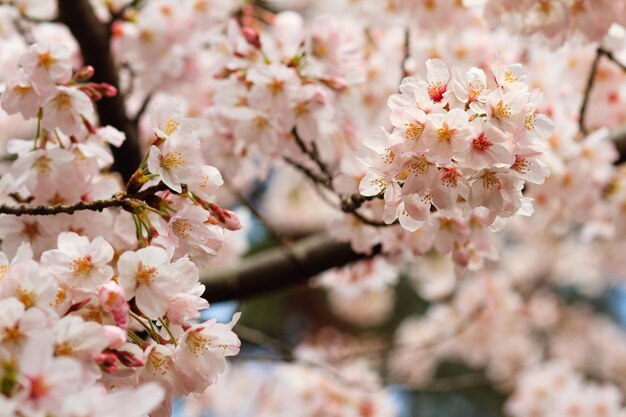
(128, 358)
(117, 336)
(84, 74)
(252, 36)
(227, 218)
(107, 361)
(112, 299)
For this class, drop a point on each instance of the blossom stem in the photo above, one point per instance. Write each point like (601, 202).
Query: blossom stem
(38, 131)
(151, 332)
(169, 332)
(135, 338)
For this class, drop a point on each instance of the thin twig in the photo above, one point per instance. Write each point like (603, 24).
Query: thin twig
(125, 200)
(142, 108)
(406, 52)
(261, 339)
(274, 234)
(588, 88)
(600, 51)
(349, 204)
(312, 153)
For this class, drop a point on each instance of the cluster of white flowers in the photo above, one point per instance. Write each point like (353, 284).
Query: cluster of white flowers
(313, 386)
(554, 389)
(92, 320)
(556, 20)
(458, 157)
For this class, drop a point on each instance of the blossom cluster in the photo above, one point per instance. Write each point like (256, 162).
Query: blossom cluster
(313, 386)
(554, 389)
(94, 319)
(461, 149)
(556, 20)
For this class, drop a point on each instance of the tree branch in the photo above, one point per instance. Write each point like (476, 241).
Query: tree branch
(40, 210)
(94, 38)
(125, 200)
(600, 52)
(274, 270)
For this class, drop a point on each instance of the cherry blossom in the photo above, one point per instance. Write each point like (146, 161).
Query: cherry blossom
(177, 162)
(79, 262)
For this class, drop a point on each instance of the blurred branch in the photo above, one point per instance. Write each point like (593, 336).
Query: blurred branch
(406, 52)
(618, 136)
(142, 109)
(94, 39)
(600, 52)
(260, 339)
(117, 15)
(349, 203)
(273, 269)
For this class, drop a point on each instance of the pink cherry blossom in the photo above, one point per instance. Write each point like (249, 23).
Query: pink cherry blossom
(149, 276)
(79, 262)
(177, 162)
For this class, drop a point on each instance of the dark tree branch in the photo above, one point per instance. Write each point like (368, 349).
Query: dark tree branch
(128, 201)
(619, 137)
(588, 88)
(94, 38)
(273, 269)
(600, 52)
(142, 109)
(40, 210)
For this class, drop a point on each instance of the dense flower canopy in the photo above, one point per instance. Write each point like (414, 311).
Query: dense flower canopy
(465, 152)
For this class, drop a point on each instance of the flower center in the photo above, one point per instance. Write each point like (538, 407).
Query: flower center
(414, 130)
(450, 177)
(490, 181)
(42, 164)
(21, 90)
(145, 275)
(46, 60)
(260, 122)
(64, 349)
(502, 111)
(38, 387)
(481, 143)
(276, 86)
(420, 165)
(170, 126)
(63, 102)
(521, 164)
(81, 266)
(182, 228)
(173, 160)
(159, 363)
(436, 91)
(25, 296)
(13, 335)
(445, 133)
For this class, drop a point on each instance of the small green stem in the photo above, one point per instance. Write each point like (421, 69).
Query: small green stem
(151, 332)
(169, 332)
(38, 131)
(135, 338)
